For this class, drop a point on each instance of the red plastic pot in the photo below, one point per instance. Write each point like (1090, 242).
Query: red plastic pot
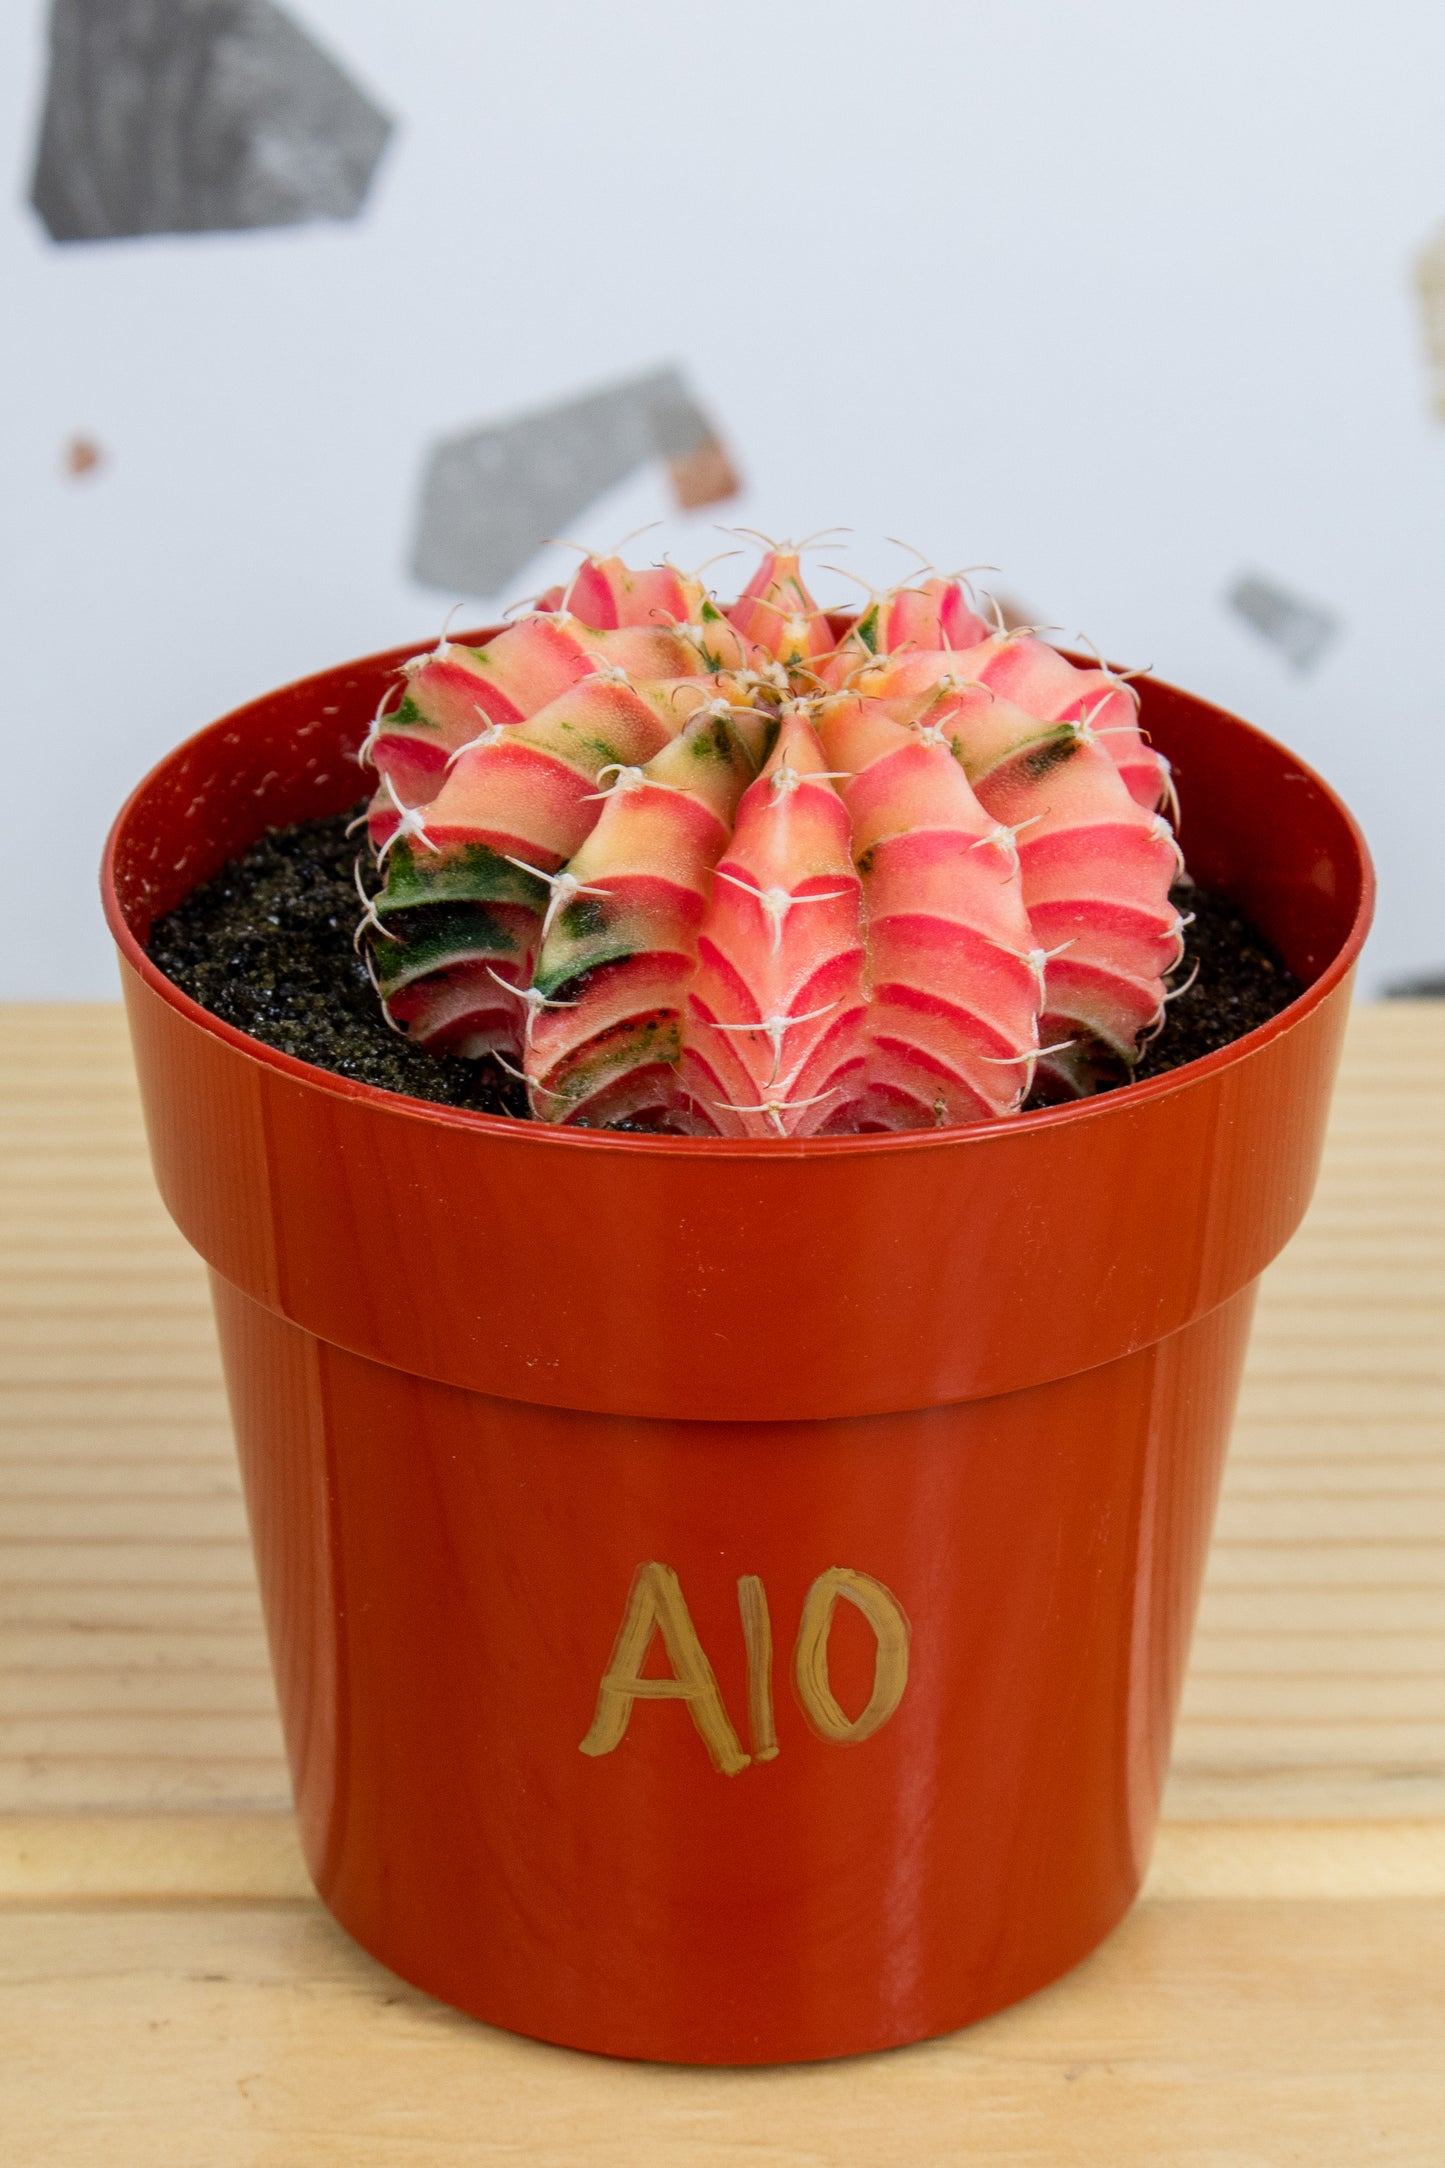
(729, 1601)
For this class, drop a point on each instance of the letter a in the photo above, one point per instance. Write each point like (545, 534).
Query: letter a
(657, 1605)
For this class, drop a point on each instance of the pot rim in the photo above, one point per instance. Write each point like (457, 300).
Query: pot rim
(762, 1149)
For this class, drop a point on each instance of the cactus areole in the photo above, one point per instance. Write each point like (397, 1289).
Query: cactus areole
(730, 1590)
(731, 871)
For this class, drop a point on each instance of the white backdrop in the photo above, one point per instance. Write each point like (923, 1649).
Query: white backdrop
(1114, 295)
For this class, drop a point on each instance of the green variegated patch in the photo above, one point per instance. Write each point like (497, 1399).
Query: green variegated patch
(642, 1043)
(432, 940)
(470, 873)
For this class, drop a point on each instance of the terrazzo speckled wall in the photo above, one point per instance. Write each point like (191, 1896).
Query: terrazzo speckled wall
(321, 313)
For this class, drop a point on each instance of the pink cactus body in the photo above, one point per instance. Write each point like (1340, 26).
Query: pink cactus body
(529, 785)
(605, 592)
(775, 1013)
(455, 692)
(953, 993)
(455, 936)
(910, 657)
(776, 613)
(604, 1040)
(1096, 870)
(945, 885)
(1018, 667)
(526, 792)
(935, 615)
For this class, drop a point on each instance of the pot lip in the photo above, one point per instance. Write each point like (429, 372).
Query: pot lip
(543, 1135)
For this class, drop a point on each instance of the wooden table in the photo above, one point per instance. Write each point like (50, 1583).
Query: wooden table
(171, 1992)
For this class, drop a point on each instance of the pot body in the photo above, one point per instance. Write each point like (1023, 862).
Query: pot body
(736, 1876)
(729, 1602)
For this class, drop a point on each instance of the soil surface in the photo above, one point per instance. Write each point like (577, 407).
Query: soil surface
(267, 946)
(1241, 982)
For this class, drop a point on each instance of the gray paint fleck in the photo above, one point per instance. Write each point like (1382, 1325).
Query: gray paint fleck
(1300, 630)
(196, 116)
(1430, 293)
(489, 499)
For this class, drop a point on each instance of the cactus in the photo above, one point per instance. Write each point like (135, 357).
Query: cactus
(757, 871)
(607, 1031)
(953, 1014)
(776, 1010)
(776, 612)
(1096, 865)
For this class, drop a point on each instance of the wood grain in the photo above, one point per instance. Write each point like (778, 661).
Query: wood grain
(160, 1859)
(133, 1665)
(171, 1993)
(133, 1671)
(1221, 2034)
(1317, 1685)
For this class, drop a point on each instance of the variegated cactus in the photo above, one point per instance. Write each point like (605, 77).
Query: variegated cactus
(762, 871)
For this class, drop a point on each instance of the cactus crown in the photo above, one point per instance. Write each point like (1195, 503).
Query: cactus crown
(739, 872)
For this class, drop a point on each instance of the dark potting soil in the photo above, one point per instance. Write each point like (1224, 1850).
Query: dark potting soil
(266, 945)
(1241, 982)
